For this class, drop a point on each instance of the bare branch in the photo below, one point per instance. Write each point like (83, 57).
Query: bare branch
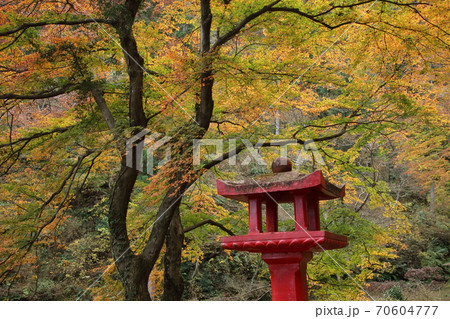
(426, 20)
(333, 7)
(15, 153)
(225, 121)
(363, 203)
(13, 41)
(70, 176)
(225, 156)
(37, 135)
(352, 5)
(210, 222)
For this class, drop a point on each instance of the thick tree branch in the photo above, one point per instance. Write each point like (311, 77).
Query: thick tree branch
(101, 103)
(313, 17)
(131, 267)
(205, 28)
(310, 17)
(168, 207)
(230, 34)
(61, 22)
(39, 95)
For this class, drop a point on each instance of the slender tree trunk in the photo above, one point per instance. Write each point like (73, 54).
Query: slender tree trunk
(173, 279)
(432, 199)
(204, 109)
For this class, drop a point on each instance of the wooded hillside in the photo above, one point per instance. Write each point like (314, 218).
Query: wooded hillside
(364, 81)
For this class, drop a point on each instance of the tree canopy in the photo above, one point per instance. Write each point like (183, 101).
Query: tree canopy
(365, 80)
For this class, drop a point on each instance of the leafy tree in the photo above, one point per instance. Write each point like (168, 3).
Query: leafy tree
(80, 78)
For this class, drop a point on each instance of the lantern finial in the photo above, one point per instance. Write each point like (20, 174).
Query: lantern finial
(281, 164)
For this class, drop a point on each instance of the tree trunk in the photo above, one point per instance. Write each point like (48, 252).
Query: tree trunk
(131, 267)
(136, 283)
(173, 280)
(134, 276)
(204, 109)
(134, 270)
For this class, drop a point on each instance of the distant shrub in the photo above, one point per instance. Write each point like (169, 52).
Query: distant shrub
(425, 274)
(381, 286)
(394, 293)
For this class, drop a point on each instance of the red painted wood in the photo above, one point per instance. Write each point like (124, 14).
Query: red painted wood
(286, 253)
(294, 182)
(254, 215)
(271, 216)
(288, 275)
(285, 242)
(313, 213)
(300, 211)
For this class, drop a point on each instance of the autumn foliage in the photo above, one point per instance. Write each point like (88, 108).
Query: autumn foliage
(366, 81)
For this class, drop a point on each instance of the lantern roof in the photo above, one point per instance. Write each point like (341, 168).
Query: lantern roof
(280, 185)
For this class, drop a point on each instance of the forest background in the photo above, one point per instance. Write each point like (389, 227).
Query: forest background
(365, 80)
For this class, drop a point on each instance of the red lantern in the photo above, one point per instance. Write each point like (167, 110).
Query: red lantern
(286, 253)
